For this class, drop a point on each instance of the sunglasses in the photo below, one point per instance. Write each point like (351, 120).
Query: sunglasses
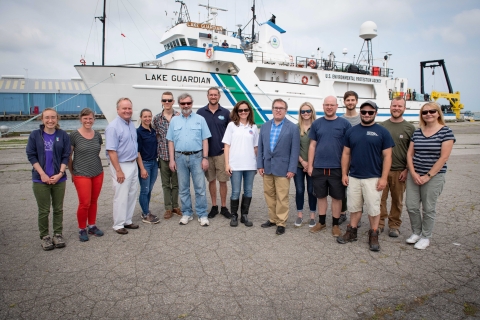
(243, 110)
(433, 111)
(185, 103)
(364, 112)
(305, 111)
(167, 100)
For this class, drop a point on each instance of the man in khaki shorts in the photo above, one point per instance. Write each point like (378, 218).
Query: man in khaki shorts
(366, 161)
(217, 119)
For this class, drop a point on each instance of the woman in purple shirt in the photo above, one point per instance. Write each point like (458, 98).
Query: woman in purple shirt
(48, 150)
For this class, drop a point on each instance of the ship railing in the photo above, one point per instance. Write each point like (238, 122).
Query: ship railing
(333, 65)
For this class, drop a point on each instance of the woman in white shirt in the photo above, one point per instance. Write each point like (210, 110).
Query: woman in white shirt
(241, 141)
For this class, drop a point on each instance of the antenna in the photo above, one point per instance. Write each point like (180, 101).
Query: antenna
(213, 11)
(344, 51)
(368, 31)
(183, 15)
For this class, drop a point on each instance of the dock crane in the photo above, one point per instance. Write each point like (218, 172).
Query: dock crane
(452, 97)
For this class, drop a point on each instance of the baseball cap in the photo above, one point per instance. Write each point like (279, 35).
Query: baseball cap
(369, 103)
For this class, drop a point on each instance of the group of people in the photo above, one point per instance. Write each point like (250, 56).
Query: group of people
(352, 159)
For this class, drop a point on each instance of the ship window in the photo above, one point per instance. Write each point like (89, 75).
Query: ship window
(183, 42)
(177, 43)
(192, 42)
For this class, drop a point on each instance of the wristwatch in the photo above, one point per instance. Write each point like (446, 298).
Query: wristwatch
(429, 175)
(62, 172)
(205, 158)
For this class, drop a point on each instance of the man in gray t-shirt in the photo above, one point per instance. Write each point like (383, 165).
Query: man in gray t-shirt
(350, 99)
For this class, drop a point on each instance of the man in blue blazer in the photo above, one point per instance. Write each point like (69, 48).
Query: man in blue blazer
(277, 160)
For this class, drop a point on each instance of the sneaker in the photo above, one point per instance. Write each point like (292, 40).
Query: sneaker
(82, 235)
(150, 218)
(318, 227)
(312, 223)
(95, 231)
(213, 212)
(422, 244)
(224, 212)
(349, 236)
(413, 239)
(168, 214)
(342, 219)
(394, 233)
(47, 243)
(336, 231)
(177, 211)
(373, 240)
(184, 220)
(204, 221)
(58, 241)
(298, 222)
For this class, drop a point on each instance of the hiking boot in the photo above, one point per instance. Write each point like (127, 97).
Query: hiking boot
(150, 218)
(58, 241)
(342, 219)
(168, 214)
(177, 211)
(349, 236)
(224, 212)
(318, 227)
(95, 231)
(394, 233)
(336, 231)
(213, 212)
(82, 235)
(47, 243)
(298, 222)
(373, 240)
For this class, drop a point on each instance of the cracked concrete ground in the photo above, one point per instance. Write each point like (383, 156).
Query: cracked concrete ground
(168, 271)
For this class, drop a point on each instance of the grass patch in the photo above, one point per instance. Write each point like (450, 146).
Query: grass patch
(13, 141)
(469, 309)
(400, 307)
(452, 290)
(421, 300)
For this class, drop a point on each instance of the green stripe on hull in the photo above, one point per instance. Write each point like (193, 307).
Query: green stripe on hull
(238, 94)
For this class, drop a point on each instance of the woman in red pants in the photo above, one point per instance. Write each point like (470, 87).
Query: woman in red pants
(87, 173)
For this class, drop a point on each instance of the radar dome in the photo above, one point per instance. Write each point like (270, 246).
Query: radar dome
(368, 30)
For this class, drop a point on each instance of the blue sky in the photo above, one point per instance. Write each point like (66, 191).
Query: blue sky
(49, 37)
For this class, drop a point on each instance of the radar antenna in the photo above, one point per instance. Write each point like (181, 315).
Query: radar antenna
(368, 31)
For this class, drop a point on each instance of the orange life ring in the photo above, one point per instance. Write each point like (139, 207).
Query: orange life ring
(83, 62)
(208, 53)
(312, 63)
(304, 80)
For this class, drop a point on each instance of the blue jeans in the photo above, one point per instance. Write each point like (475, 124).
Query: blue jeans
(146, 185)
(236, 181)
(299, 180)
(186, 166)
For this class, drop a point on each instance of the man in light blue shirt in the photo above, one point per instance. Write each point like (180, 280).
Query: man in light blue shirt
(122, 150)
(188, 150)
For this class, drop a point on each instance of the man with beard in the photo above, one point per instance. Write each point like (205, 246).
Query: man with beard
(366, 161)
(187, 138)
(401, 132)
(217, 119)
(350, 99)
(324, 163)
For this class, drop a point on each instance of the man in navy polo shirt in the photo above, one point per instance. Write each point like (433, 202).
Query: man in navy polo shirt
(217, 119)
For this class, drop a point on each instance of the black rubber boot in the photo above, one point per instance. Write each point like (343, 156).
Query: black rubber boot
(244, 210)
(234, 210)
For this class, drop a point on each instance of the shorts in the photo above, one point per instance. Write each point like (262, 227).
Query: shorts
(328, 182)
(216, 169)
(362, 191)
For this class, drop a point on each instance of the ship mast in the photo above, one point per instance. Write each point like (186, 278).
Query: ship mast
(102, 19)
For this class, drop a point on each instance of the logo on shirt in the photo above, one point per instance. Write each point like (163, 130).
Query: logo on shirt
(48, 145)
(371, 133)
(221, 117)
(57, 139)
(401, 136)
(250, 131)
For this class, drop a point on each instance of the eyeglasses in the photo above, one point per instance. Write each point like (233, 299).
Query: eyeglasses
(167, 100)
(185, 103)
(433, 111)
(364, 112)
(243, 110)
(305, 111)
(278, 108)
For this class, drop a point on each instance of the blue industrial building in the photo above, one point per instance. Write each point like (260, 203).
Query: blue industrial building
(31, 96)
